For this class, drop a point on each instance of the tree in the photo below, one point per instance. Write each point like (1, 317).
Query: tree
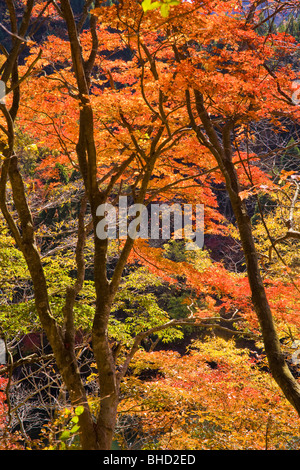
(62, 336)
(222, 142)
(168, 119)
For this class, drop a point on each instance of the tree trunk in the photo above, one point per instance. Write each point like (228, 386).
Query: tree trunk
(221, 148)
(64, 352)
(109, 390)
(278, 366)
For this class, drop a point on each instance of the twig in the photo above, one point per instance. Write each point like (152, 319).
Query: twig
(291, 233)
(31, 359)
(12, 34)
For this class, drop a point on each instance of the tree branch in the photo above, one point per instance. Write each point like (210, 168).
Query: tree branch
(291, 233)
(171, 324)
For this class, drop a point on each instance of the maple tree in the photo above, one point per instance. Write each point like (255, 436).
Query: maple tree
(158, 108)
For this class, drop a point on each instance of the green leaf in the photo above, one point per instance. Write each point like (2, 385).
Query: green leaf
(147, 5)
(154, 5)
(75, 419)
(65, 435)
(74, 429)
(79, 410)
(164, 10)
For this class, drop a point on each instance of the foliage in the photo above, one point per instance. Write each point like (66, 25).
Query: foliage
(160, 90)
(164, 6)
(215, 397)
(63, 432)
(8, 440)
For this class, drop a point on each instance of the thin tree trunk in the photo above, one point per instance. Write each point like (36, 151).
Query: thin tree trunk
(222, 151)
(278, 366)
(63, 351)
(109, 390)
